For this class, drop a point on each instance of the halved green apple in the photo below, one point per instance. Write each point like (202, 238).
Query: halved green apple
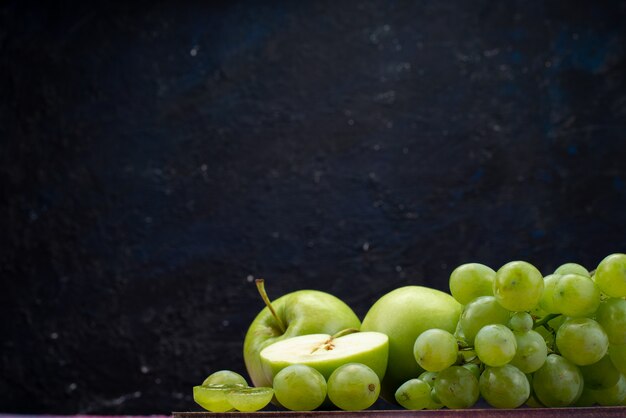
(325, 353)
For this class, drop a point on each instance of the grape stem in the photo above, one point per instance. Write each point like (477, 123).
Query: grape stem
(260, 285)
(543, 322)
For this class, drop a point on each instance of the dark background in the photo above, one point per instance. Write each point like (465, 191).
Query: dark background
(155, 158)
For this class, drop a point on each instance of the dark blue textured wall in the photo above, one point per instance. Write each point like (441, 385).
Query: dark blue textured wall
(155, 158)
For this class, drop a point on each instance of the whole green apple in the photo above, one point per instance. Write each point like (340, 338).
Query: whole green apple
(403, 314)
(298, 313)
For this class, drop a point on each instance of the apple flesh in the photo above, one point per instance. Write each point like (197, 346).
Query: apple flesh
(326, 353)
(300, 313)
(403, 314)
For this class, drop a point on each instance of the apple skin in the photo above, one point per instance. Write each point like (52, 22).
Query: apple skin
(303, 312)
(403, 314)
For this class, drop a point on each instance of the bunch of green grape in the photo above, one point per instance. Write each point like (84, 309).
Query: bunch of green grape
(298, 387)
(522, 338)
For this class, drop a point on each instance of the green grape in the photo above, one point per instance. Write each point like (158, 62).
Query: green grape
(482, 311)
(558, 382)
(611, 275)
(613, 396)
(353, 387)
(435, 350)
(474, 368)
(414, 394)
(521, 321)
(612, 316)
(428, 377)
(617, 353)
(586, 398)
(495, 345)
(531, 353)
(456, 388)
(299, 387)
(249, 399)
(575, 295)
(435, 402)
(518, 286)
(504, 387)
(546, 302)
(469, 281)
(572, 268)
(582, 341)
(213, 397)
(225, 377)
(600, 375)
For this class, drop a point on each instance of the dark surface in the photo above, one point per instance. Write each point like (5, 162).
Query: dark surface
(156, 158)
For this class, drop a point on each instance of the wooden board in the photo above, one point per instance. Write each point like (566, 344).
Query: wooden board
(594, 412)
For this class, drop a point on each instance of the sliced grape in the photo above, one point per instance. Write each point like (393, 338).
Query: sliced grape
(299, 387)
(435, 350)
(495, 345)
(558, 382)
(456, 388)
(353, 387)
(531, 352)
(414, 394)
(249, 399)
(213, 397)
(504, 387)
(582, 341)
(518, 286)
(611, 275)
(575, 295)
(612, 316)
(469, 281)
(482, 311)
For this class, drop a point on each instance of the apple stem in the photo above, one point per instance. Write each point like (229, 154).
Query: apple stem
(344, 332)
(260, 285)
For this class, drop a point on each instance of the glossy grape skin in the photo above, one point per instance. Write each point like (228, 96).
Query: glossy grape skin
(582, 341)
(353, 387)
(299, 387)
(546, 302)
(435, 350)
(495, 345)
(575, 295)
(471, 280)
(613, 396)
(474, 368)
(518, 286)
(572, 268)
(456, 388)
(521, 321)
(612, 316)
(558, 382)
(213, 397)
(531, 352)
(600, 375)
(482, 311)
(414, 395)
(610, 275)
(504, 387)
(249, 399)
(225, 377)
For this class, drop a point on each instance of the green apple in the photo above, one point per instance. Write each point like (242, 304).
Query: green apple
(298, 313)
(325, 353)
(403, 314)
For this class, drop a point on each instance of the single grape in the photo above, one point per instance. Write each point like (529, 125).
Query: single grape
(225, 377)
(572, 268)
(482, 311)
(456, 388)
(582, 341)
(612, 316)
(521, 321)
(428, 377)
(531, 353)
(474, 368)
(617, 353)
(558, 382)
(613, 396)
(504, 387)
(435, 350)
(546, 302)
(353, 387)
(495, 345)
(575, 295)
(518, 286)
(469, 281)
(611, 275)
(299, 387)
(249, 399)
(600, 375)
(213, 397)
(435, 401)
(414, 394)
